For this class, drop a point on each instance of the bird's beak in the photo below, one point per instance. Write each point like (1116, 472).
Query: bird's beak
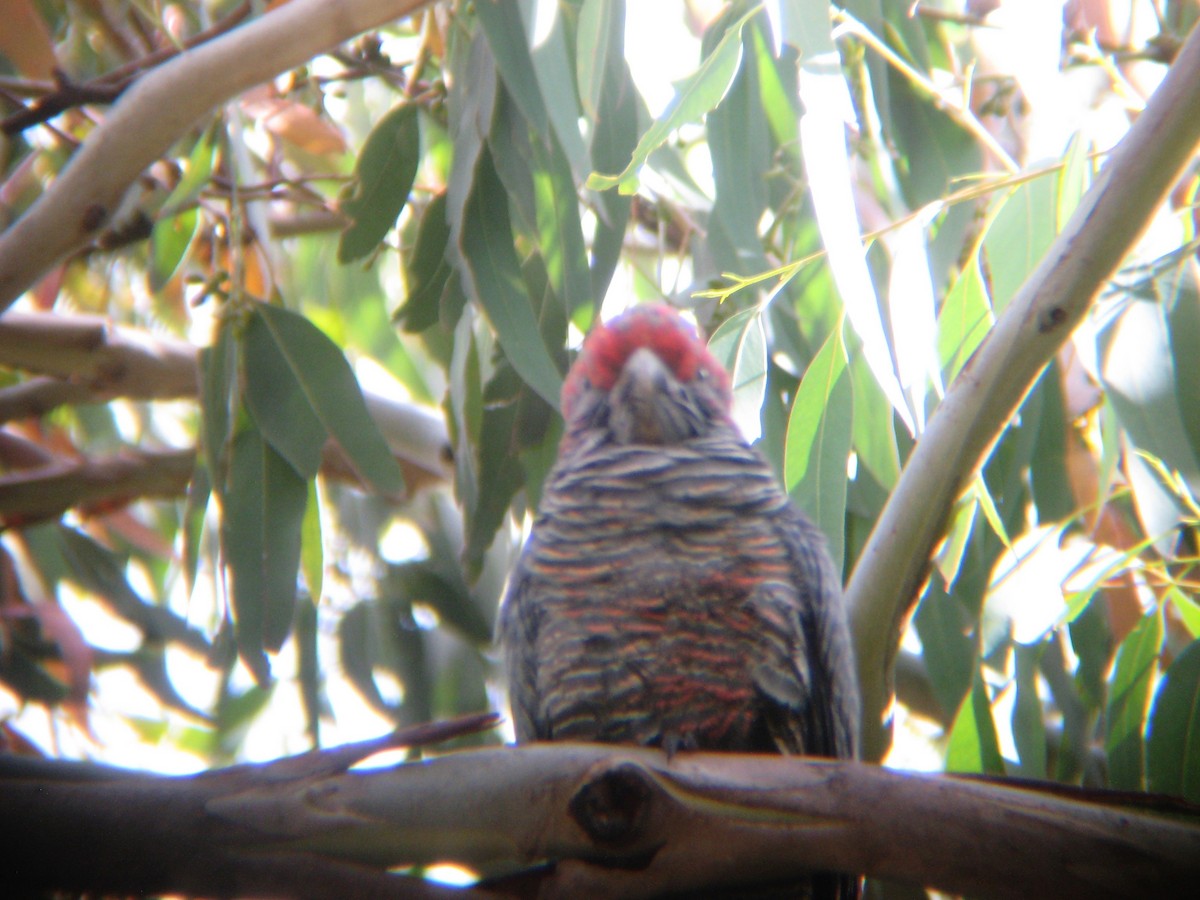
(643, 390)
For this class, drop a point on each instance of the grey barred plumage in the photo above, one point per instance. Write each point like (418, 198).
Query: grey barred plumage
(670, 594)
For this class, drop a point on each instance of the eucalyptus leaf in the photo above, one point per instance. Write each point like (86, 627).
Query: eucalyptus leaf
(383, 177)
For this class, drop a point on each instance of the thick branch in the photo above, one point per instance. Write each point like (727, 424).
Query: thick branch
(93, 485)
(158, 110)
(895, 562)
(111, 831)
(107, 87)
(615, 822)
(87, 360)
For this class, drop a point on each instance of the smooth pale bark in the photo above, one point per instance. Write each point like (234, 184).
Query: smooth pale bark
(894, 563)
(158, 110)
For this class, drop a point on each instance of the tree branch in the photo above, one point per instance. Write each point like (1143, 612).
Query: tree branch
(157, 110)
(611, 822)
(894, 564)
(85, 359)
(107, 87)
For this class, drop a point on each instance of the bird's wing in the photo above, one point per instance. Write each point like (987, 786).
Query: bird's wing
(807, 667)
(517, 633)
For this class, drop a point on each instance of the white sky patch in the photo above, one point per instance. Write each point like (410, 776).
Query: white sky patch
(1029, 580)
(660, 51)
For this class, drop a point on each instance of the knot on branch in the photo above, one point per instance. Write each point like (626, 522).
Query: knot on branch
(612, 807)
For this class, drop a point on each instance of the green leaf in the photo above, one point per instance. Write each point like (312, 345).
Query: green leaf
(694, 96)
(358, 651)
(218, 375)
(874, 425)
(328, 383)
(594, 44)
(492, 275)
(1128, 703)
(276, 400)
(192, 527)
(546, 40)
(1073, 179)
(614, 136)
(974, 746)
(312, 551)
(308, 670)
(1173, 745)
(951, 658)
(1019, 236)
(504, 29)
(425, 581)
(197, 175)
(170, 240)
(97, 570)
(384, 176)
(934, 149)
(963, 321)
(1048, 468)
(950, 555)
(427, 269)
(739, 142)
(817, 445)
(740, 345)
(1188, 609)
(559, 230)
(262, 516)
(1028, 721)
(1181, 300)
(1138, 374)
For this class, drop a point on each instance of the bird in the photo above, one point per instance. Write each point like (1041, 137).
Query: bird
(670, 594)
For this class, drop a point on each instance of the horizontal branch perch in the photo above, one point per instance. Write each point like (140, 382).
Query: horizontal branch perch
(619, 822)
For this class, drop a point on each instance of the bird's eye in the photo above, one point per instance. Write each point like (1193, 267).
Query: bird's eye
(703, 374)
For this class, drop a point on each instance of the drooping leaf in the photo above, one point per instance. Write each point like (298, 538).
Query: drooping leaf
(1138, 372)
(546, 40)
(694, 96)
(384, 176)
(276, 399)
(1028, 718)
(1129, 701)
(874, 427)
(951, 657)
(492, 274)
(594, 46)
(1180, 293)
(262, 516)
(312, 551)
(740, 345)
(1173, 744)
(170, 241)
(333, 394)
(504, 29)
(99, 571)
(559, 230)
(1019, 236)
(218, 376)
(428, 269)
(974, 745)
(963, 321)
(818, 442)
(739, 141)
(614, 136)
